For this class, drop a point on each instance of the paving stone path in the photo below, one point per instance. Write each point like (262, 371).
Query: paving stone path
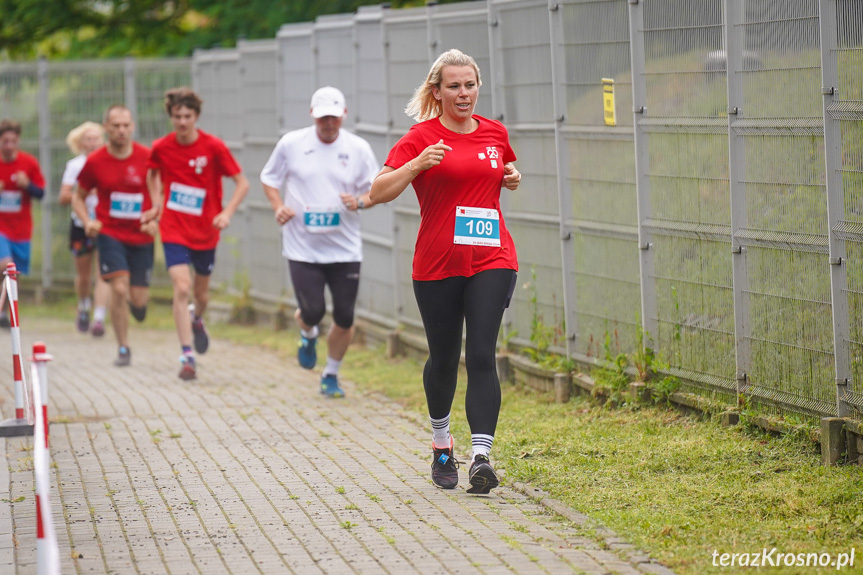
(250, 470)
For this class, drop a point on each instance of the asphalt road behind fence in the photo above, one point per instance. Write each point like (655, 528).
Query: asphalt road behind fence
(250, 470)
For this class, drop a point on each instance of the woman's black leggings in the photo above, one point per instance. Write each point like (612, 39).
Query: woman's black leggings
(477, 302)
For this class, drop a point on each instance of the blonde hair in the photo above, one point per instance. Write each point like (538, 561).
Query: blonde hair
(424, 106)
(73, 139)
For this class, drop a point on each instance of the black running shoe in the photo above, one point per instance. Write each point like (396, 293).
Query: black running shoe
(444, 468)
(482, 476)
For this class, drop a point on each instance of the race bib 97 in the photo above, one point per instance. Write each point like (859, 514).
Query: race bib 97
(125, 206)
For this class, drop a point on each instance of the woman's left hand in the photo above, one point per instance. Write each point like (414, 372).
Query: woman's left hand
(511, 177)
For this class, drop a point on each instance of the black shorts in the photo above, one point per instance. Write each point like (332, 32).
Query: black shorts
(343, 279)
(117, 258)
(79, 243)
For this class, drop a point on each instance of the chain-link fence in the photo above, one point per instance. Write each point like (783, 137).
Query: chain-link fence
(693, 170)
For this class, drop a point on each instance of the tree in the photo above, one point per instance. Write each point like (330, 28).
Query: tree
(114, 28)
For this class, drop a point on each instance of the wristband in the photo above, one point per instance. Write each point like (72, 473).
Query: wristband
(410, 169)
(360, 204)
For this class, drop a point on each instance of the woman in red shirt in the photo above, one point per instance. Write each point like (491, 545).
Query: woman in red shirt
(464, 266)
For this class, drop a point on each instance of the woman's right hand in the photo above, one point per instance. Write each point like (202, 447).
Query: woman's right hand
(432, 156)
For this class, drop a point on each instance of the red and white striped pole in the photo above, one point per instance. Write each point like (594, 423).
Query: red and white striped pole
(18, 426)
(47, 550)
(40, 360)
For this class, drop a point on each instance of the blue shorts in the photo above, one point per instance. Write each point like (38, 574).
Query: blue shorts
(178, 254)
(18, 252)
(117, 258)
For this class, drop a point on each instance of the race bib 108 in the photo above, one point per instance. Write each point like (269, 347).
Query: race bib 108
(186, 199)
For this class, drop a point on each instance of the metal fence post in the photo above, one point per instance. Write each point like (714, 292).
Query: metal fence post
(564, 193)
(736, 175)
(835, 203)
(45, 162)
(642, 181)
(130, 99)
(498, 106)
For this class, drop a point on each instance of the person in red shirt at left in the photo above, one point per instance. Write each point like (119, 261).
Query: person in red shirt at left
(124, 236)
(21, 180)
(185, 174)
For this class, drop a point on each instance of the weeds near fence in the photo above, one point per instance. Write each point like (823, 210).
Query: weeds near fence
(614, 374)
(544, 336)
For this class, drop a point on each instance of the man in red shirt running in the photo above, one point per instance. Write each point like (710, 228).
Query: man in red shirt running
(20, 181)
(124, 237)
(185, 174)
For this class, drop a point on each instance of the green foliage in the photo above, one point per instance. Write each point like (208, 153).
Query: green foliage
(611, 376)
(117, 28)
(243, 308)
(544, 336)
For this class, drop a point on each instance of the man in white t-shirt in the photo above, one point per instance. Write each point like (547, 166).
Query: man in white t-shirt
(328, 173)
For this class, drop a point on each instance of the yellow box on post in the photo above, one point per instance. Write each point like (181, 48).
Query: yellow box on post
(608, 101)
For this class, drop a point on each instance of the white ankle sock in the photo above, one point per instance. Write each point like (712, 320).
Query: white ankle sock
(332, 367)
(440, 432)
(311, 334)
(481, 444)
(99, 314)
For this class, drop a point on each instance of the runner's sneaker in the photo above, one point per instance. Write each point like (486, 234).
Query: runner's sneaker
(306, 353)
(187, 367)
(83, 321)
(482, 476)
(330, 386)
(98, 329)
(444, 467)
(202, 340)
(124, 357)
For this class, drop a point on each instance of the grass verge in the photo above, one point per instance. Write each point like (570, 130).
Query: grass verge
(677, 486)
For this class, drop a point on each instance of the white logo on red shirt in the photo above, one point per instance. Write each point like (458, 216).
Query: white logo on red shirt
(132, 176)
(198, 163)
(492, 152)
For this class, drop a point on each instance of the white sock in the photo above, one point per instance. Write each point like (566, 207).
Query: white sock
(481, 444)
(311, 334)
(440, 432)
(84, 304)
(99, 314)
(332, 367)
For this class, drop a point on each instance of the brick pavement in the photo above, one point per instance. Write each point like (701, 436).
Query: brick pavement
(249, 470)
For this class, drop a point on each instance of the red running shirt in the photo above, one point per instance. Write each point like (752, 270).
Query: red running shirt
(470, 175)
(192, 187)
(121, 186)
(16, 221)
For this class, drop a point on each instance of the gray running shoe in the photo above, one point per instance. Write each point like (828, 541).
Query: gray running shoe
(124, 357)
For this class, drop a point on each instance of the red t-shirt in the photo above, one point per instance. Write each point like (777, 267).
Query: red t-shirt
(121, 186)
(470, 176)
(192, 187)
(16, 221)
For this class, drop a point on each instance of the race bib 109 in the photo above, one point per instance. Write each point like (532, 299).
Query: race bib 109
(477, 227)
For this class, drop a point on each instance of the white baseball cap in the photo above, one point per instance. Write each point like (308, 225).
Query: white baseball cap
(328, 101)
